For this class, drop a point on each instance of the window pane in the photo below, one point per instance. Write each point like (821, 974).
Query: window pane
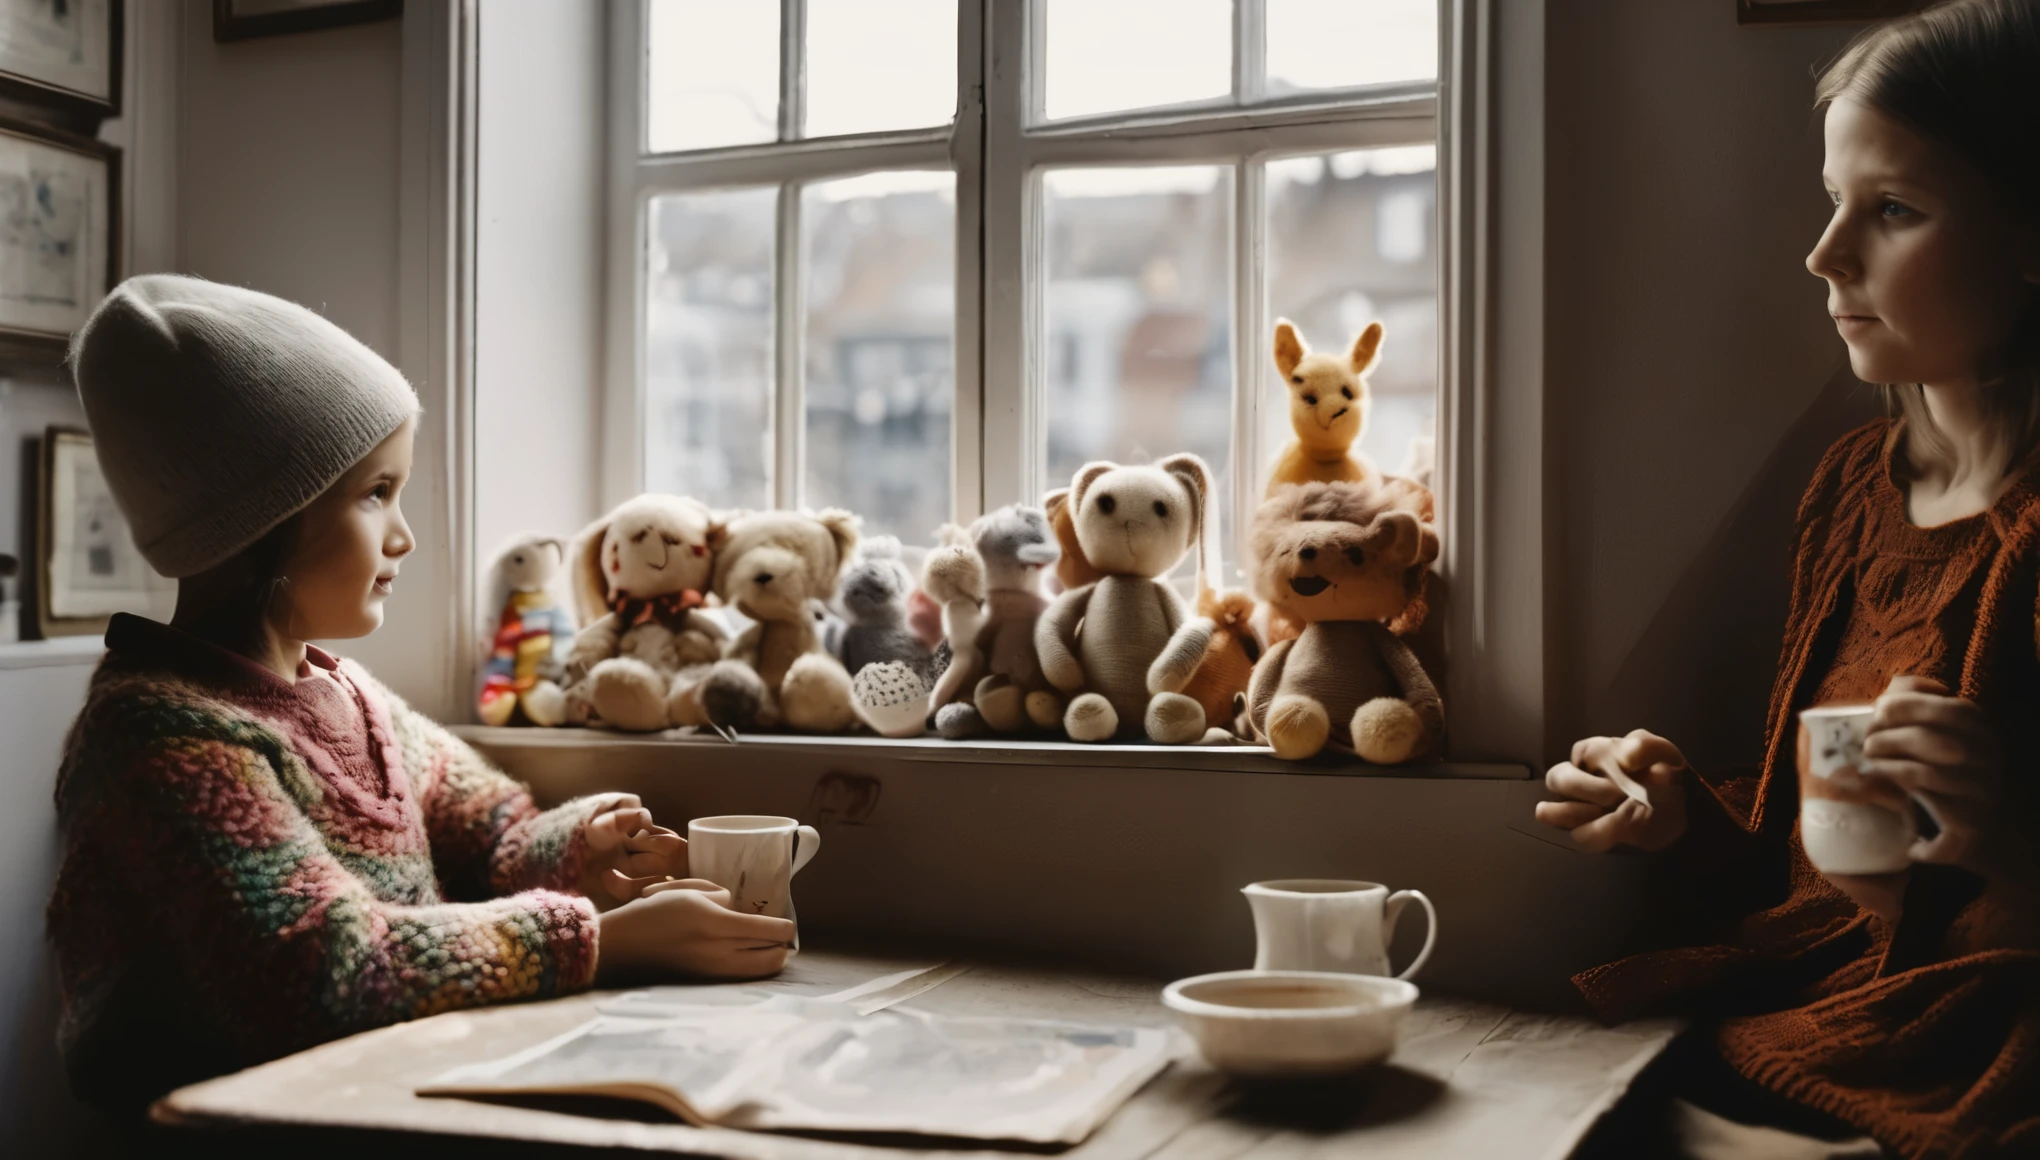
(874, 65)
(1352, 237)
(1106, 55)
(1138, 318)
(711, 74)
(1321, 44)
(708, 346)
(881, 309)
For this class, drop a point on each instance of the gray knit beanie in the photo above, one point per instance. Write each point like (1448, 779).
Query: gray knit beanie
(218, 413)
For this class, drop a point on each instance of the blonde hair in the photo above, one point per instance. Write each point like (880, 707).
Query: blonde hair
(1962, 74)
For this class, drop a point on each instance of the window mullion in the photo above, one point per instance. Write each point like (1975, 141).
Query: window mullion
(1010, 427)
(1250, 299)
(1250, 56)
(792, 69)
(789, 370)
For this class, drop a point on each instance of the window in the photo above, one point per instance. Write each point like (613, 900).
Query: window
(920, 258)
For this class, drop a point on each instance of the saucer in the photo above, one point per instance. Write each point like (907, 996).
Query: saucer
(1291, 1022)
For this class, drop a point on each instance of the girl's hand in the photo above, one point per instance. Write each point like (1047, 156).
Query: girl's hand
(687, 928)
(1942, 750)
(628, 852)
(1596, 810)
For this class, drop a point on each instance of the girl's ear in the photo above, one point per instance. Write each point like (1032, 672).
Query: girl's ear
(591, 588)
(1367, 349)
(1086, 476)
(1289, 348)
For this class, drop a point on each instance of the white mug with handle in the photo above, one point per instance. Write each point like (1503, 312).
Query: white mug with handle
(1330, 924)
(754, 857)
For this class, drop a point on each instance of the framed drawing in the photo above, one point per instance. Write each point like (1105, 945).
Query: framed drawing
(1820, 11)
(242, 19)
(59, 235)
(88, 567)
(62, 53)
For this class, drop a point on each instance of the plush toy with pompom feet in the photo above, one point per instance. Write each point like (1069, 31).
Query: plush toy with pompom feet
(1124, 646)
(1007, 691)
(528, 643)
(770, 566)
(640, 576)
(1348, 561)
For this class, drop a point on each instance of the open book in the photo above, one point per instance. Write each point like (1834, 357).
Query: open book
(818, 1065)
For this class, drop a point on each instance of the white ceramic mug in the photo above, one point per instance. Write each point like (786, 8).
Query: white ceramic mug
(753, 856)
(1329, 924)
(1849, 823)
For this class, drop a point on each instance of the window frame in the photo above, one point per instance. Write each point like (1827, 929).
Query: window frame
(997, 147)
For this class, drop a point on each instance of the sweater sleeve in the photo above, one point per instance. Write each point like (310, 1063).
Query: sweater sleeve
(488, 838)
(285, 943)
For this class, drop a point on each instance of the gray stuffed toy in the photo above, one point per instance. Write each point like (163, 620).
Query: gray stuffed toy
(873, 598)
(1000, 685)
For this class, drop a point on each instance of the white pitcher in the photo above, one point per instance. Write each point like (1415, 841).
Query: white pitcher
(1330, 924)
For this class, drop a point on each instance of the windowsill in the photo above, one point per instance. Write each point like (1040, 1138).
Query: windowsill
(1194, 758)
(54, 652)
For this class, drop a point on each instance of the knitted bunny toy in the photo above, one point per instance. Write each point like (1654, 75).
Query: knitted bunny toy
(640, 575)
(528, 643)
(1327, 407)
(1007, 689)
(1125, 645)
(770, 566)
(1348, 560)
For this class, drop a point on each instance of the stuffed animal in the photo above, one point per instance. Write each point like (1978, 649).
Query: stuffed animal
(769, 566)
(640, 575)
(1124, 646)
(953, 577)
(1349, 563)
(1007, 691)
(873, 598)
(1072, 571)
(531, 636)
(1327, 408)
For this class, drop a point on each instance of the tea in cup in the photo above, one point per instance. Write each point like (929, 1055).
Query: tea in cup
(1849, 823)
(1330, 924)
(753, 856)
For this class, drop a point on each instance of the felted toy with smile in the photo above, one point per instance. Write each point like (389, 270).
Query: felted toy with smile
(1327, 408)
(1348, 561)
(640, 575)
(1126, 645)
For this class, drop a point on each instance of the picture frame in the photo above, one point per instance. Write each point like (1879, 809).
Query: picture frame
(63, 190)
(87, 565)
(1803, 12)
(66, 56)
(247, 19)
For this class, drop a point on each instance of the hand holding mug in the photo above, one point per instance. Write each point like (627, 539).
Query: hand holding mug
(687, 928)
(1599, 812)
(625, 851)
(1941, 750)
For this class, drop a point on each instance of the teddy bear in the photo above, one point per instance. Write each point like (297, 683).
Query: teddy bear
(770, 566)
(528, 643)
(640, 576)
(1072, 570)
(1124, 646)
(1348, 561)
(1327, 408)
(1007, 692)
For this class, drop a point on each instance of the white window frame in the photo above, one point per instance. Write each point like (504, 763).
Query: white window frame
(997, 147)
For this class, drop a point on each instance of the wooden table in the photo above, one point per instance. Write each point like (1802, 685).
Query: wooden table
(1470, 1079)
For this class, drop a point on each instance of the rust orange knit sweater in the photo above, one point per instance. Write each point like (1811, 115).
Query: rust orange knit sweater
(1924, 1033)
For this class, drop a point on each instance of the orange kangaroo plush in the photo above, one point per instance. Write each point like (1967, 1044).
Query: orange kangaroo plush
(1327, 408)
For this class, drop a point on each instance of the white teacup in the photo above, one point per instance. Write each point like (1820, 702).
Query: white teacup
(1329, 924)
(753, 856)
(1849, 823)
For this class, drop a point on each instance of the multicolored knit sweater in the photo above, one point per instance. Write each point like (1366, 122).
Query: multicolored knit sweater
(253, 866)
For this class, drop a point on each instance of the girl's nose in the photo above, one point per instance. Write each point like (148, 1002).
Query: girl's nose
(1833, 257)
(399, 542)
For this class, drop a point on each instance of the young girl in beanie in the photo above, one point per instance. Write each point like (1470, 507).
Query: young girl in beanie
(264, 847)
(1905, 1006)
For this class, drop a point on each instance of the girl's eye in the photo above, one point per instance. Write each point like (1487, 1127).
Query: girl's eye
(381, 494)
(1892, 209)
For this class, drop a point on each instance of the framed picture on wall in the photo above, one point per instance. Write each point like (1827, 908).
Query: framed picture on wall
(1820, 11)
(59, 235)
(62, 53)
(242, 19)
(88, 567)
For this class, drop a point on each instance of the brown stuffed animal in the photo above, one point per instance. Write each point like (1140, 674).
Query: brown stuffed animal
(1072, 570)
(1327, 408)
(769, 566)
(1347, 561)
(639, 576)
